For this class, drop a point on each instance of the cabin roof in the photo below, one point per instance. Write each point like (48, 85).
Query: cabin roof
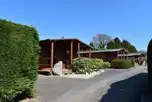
(104, 51)
(67, 39)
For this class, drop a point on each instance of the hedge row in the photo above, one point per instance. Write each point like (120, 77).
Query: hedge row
(19, 50)
(122, 64)
(86, 65)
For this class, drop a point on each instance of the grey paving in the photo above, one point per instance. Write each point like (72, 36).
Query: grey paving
(128, 90)
(97, 89)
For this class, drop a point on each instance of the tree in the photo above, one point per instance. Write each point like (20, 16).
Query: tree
(111, 45)
(118, 43)
(127, 45)
(103, 41)
(92, 46)
(115, 44)
(132, 49)
(126, 42)
(101, 46)
(100, 41)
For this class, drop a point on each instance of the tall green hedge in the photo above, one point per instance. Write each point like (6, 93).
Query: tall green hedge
(149, 63)
(19, 49)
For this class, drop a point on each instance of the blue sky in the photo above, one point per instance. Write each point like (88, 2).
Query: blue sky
(83, 19)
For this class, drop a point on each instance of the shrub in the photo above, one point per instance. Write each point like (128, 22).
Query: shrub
(106, 65)
(122, 64)
(149, 63)
(133, 62)
(19, 49)
(86, 65)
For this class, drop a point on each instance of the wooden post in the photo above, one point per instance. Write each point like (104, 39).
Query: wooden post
(90, 53)
(78, 49)
(121, 55)
(52, 55)
(126, 56)
(124, 53)
(117, 55)
(71, 52)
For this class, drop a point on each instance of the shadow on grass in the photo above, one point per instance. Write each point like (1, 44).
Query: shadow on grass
(128, 90)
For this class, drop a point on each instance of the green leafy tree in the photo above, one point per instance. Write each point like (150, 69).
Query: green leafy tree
(127, 45)
(115, 44)
(132, 49)
(92, 46)
(111, 45)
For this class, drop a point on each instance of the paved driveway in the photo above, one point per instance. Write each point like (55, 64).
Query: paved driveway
(80, 90)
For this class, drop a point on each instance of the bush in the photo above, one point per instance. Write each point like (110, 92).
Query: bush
(19, 50)
(86, 65)
(133, 62)
(122, 64)
(149, 63)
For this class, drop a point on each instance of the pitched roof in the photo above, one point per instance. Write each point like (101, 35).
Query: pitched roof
(107, 50)
(67, 39)
(131, 54)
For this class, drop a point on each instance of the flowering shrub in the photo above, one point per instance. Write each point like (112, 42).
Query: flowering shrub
(86, 65)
